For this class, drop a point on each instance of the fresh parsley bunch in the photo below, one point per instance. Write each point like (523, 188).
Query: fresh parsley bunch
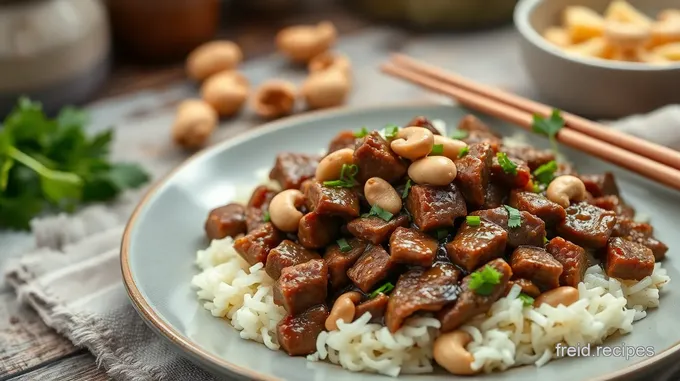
(52, 164)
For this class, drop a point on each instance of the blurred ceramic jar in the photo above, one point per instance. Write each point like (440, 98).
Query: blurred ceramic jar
(55, 51)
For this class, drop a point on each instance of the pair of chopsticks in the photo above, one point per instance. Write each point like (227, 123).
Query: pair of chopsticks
(650, 160)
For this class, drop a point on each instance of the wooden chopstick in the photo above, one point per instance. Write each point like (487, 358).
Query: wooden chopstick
(572, 138)
(631, 143)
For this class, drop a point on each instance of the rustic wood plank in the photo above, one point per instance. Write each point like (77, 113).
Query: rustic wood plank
(79, 367)
(25, 341)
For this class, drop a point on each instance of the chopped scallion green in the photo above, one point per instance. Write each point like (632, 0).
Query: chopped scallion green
(526, 299)
(266, 217)
(482, 281)
(473, 220)
(391, 131)
(459, 134)
(384, 289)
(437, 149)
(344, 246)
(407, 188)
(463, 151)
(361, 133)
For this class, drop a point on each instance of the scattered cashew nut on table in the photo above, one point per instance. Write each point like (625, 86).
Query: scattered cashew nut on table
(564, 189)
(564, 295)
(413, 142)
(194, 123)
(379, 192)
(226, 92)
(433, 170)
(283, 211)
(275, 98)
(451, 147)
(326, 88)
(343, 308)
(330, 61)
(212, 58)
(330, 167)
(301, 43)
(450, 353)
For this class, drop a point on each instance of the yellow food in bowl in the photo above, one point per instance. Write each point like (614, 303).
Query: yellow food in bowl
(622, 33)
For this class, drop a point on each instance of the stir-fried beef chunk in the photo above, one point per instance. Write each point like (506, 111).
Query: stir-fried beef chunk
(341, 202)
(473, 246)
(411, 247)
(530, 155)
(302, 286)
(421, 290)
(228, 220)
(344, 139)
(473, 173)
(518, 179)
(587, 225)
(376, 306)
(287, 253)
(375, 158)
(257, 206)
(374, 229)
(537, 265)
(530, 232)
(478, 132)
(291, 169)
(421, 121)
(573, 259)
(371, 268)
(641, 233)
(470, 303)
(628, 260)
(528, 287)
(600, 185)
(297, 334)
(339, 262)
(551, 213)
(318, 230)
(435, 207)
(496, 195)
(615, 204)
(255, 246)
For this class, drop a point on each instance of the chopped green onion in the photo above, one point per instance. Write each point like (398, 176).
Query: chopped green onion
(459, 134)
(482, 281)
(473, 220)
(463, 151)
(379, 212)
(536, 188)
(437, 149)
(514, 217)
(391, 131)
(404, 194)
(546, 172)
(361, 133)
(545, 240)
(346, 179)
(384, 289)
(344, 246)
(508, 165)
(266, 217)
(549, 126)
(442, 233)
(526, 299)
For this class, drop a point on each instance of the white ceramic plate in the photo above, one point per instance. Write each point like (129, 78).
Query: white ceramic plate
(165, 231)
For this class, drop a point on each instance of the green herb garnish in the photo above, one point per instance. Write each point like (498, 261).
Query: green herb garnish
(361, 133)
(442, 233)
(53, 164)
(508, 165)
(437, 149)
(459, 134)
(379, 212)
(545, 240)
(407, 187)
(514, 217)
(526, 299)
(536, 188)
(473, 220)
(482, 281)
(463, 151)
(346, 179)
(549, 126)
(344, 246)
(266, 217)
(384, 289)
(391, 131)
(546, 172)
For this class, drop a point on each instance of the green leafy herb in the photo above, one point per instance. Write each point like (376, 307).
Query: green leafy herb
(54, 165)
(526, 299)
(514, 217)
(391, 131)
(266, 217)
(508, 165)
(379, 212)
(361, 133)
(344, 246)
(442, 233)
(346, 180)
(473, 220)
(437, 149)
(384, 289)
(463, 151)
(546, 172)
(549, 126)
(407, 188)
(459, 134)
(482, 281)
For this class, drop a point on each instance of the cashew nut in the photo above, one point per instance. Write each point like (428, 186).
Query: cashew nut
(212, 58)
(564, 295)
(327, 88)
(303, 42)
(451, 147)
(330, 61)
(194, 123)
(433, 170)
(450, 353)
(330, 167)
(379, 192)
(225, 92)
(564, 189)
(665, 31)
(626, 35)
(343, 308)
(283, 211)
(413, 142)
(274, 98)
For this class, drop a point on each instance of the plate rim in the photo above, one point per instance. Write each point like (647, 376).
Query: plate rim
(191, 348)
